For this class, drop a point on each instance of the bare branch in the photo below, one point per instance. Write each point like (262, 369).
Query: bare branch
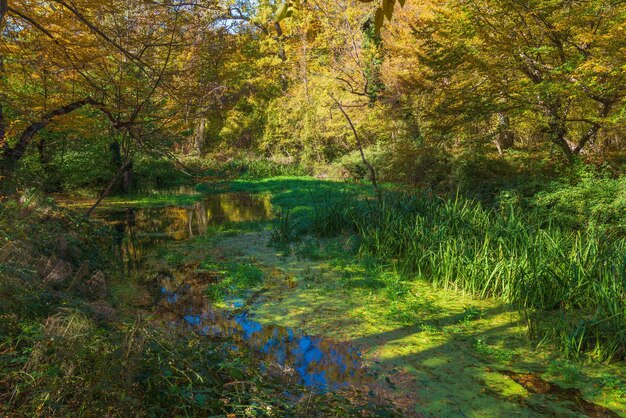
(369, 166)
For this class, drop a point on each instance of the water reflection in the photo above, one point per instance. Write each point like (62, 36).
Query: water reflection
(141, 230)
(155, 189)
(320, 363)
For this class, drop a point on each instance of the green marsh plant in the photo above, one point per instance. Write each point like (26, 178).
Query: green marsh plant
(571, 283)
(283, 227)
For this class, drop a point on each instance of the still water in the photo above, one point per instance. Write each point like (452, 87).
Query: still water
(319, 363)
(142, 230)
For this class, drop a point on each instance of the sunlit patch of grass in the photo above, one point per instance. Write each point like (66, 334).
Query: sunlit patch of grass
(523, 259)
(152, 200)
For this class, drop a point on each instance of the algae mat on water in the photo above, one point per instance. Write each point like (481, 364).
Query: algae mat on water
(435, 352)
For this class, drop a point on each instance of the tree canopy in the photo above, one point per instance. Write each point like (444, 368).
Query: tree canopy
(164, 77)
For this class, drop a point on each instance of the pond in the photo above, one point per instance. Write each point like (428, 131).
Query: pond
(140, 230)
(319, 363)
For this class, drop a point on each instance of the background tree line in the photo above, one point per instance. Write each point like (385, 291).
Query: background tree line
(92, 87)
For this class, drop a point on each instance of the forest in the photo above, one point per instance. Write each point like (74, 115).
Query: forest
(313, 208)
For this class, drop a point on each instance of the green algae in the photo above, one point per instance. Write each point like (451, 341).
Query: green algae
(444, 351)
(447, 373)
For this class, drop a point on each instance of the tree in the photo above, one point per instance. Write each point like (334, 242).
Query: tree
(123, 66)
(555, 64)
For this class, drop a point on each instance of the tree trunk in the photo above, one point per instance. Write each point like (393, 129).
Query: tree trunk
(3, 11)
(557, 136)
(3, 128)
(281, 54)
(52, 181)
(593, 130)
(10, 156)
(44, 156)
(3, 139)
(369, 166)
(506, 138)
(108, 189)
(556, 128)
(127, 177)
(199, 134)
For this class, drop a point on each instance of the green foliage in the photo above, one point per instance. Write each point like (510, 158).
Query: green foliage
(564, 370)
(283, 227)
(71, 163)
(614, 383)
(422, 165)
(253, 169)
(353, 164)
(528, 259)
(331, 215)
(175, 259)
(588, 200)
(247, 168)
(162, 170)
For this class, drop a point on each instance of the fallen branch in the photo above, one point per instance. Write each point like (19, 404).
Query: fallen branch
(107, 190)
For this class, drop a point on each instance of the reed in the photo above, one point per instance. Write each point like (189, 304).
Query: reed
(570, 283)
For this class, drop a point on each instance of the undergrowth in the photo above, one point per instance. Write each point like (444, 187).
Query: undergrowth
(67, 350)
(564, 269)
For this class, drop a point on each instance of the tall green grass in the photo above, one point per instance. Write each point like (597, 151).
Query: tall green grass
(571, 284)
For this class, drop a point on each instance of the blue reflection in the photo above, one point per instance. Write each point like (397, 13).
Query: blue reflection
(193, 319)
(319, 363)
(248, 326)
(303, 353)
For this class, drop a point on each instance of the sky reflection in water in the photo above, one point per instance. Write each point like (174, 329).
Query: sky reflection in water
(319, 363)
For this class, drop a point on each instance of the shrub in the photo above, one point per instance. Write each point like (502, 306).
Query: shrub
(589, 200)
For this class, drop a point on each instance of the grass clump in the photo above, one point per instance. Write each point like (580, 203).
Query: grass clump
(546, 269)
(283, 227)
(567, 278)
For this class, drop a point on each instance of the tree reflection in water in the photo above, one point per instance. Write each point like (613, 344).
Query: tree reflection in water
(141, 230)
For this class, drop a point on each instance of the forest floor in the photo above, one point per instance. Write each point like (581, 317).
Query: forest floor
(434, 352)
